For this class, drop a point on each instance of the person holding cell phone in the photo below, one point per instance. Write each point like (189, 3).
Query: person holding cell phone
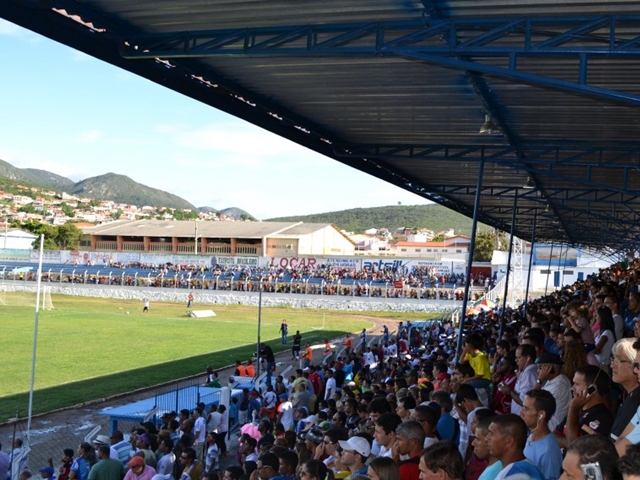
(589, 413)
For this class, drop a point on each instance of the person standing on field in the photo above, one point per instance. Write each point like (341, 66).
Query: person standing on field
(145, 308)
(190, 300)
(295, 348)
(284, 330)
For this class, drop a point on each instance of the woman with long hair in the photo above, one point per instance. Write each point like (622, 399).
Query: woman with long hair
(315, 470)
(575, 356)
(83, 463)
(606, 337)
(383, 468)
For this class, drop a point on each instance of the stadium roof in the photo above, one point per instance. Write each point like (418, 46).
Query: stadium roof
(401, 89)
(170, 228)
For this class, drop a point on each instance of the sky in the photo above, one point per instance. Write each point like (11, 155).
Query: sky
(76, 116)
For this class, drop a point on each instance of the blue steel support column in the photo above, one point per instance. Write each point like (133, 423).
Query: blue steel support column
(472, 246)
(506, 282)
(533, 238)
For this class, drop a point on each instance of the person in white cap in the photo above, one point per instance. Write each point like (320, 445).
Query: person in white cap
(99, 441)
(355, 452)
(309, 422)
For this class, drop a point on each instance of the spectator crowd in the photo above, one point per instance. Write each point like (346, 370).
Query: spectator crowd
(546, 391)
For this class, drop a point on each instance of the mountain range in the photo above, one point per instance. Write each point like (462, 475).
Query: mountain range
(122, 189)
(109, 186)
(433, 217)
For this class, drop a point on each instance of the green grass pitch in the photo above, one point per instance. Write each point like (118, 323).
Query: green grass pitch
(91, 348)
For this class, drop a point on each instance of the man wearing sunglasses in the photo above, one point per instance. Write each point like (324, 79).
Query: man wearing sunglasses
(268, 466)
(631, 433)
(191, 467)
(623, 356)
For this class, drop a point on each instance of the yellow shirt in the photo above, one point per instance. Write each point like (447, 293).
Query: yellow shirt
(480, 364)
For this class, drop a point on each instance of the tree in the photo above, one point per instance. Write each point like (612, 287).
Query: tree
(486, 244)
(50, 233)
(67, 210)
(68, 236)
(439, 238)
(29, 208)
(62, 237)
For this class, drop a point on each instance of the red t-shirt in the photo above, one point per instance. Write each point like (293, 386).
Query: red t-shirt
(409, 468)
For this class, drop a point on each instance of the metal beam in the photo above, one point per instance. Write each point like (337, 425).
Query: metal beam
(603, 36)
(541, 155)
(470, 42)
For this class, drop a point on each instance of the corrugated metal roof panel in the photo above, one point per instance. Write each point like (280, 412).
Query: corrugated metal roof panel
(414, 120)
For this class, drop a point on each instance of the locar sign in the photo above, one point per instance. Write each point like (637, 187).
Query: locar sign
(294, 262)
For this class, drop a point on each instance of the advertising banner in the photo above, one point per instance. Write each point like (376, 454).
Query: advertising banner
(229, 260)
(402, 266)
(157, 258)
(349, 263)
(289, 262)
(555, 256)
(439, 268)
(295, 263)
(48, 256)
(74, 257)
(15, 254)
(199, 260)
(382, 264)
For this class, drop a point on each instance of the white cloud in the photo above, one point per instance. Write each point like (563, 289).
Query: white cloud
(230, 137)
(24, 159)
(89, 136)
(9, 29)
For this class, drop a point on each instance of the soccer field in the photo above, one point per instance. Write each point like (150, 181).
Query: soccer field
(89, 348)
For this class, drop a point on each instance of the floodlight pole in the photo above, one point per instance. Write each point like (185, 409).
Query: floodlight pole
(35, 340)
(506, 282)
(195, 238)
(472, 246)
(259, 322)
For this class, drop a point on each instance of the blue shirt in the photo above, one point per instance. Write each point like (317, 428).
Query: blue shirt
(81, 466)
(254, 405)
(522, 470)
(446, 428)
(491, 471)
(546, 454)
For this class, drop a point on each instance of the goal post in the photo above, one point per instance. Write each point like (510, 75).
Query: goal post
(47, 303)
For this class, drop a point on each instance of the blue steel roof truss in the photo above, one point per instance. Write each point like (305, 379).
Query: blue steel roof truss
(468, 44)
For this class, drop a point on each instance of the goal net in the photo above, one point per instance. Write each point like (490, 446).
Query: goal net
(47, 303)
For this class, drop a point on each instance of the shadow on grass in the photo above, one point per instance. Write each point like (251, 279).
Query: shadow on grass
(74, 393)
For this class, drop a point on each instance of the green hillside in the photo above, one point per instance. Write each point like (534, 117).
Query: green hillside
(433, 217)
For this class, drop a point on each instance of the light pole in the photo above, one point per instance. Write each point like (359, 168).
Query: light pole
(195, 237)
(259, 322)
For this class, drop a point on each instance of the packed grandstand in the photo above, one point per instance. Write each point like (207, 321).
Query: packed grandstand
(532, 392)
